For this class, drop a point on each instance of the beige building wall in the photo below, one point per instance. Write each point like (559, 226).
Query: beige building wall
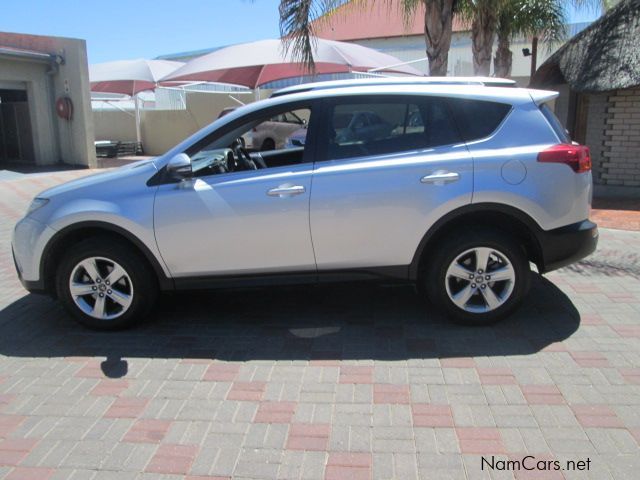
(55, 140)
(114, 125)
(163, 129)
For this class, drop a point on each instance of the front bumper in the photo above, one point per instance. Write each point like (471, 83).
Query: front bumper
(32, 286)
(566, 245)
(29, 239)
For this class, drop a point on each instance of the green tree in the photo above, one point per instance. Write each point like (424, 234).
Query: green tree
(296, 27)
(545, 19)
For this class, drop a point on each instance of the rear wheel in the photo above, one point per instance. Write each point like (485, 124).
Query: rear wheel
(106, 284)
(478, 278)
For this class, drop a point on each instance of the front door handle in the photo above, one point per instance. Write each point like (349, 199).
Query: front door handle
(286, 191)
(441, 177)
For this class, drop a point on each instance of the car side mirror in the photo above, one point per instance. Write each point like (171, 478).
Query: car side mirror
(179, 167)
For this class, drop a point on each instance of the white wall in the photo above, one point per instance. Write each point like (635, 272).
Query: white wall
(460, 55)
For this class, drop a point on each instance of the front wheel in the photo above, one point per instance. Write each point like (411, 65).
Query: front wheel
(478, 278)
(105, 284)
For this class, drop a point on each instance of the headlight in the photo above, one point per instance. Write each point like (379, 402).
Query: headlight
(37, 203)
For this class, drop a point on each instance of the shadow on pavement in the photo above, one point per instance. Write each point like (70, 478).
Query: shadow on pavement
(338, 322)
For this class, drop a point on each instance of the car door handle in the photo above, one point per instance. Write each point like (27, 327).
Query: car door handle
(441, 177)
(286, 191)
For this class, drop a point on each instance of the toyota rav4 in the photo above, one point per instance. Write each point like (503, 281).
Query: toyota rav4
(456, 187)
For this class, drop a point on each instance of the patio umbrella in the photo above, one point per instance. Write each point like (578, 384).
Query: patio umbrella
(256, 63)
(130, 77)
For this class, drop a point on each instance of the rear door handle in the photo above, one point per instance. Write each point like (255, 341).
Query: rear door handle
(441, 177)
(286, 191)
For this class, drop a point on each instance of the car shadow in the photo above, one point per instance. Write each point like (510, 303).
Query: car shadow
(337, 322)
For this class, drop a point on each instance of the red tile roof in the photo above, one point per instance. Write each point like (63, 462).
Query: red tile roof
(21, 41)
(358, 20)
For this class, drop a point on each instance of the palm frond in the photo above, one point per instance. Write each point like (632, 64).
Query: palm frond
(296, 26)
(545, 19)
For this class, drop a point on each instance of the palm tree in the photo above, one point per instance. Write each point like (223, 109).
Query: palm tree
(507, 18)
(545, 19)
(483, 16)
(296, 27)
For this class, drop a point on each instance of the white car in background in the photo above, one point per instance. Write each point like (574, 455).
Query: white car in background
(273, 134)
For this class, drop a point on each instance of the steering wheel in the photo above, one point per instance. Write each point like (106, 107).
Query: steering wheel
(244, 159)
(232, 164)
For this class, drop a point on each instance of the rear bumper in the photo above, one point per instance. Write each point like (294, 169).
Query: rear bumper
(566, 245)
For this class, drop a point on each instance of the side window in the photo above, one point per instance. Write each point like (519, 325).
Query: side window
(478, 119)
(274, 140)
(392, 125)
(555, 123)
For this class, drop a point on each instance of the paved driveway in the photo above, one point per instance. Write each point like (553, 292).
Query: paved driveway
(341, 382)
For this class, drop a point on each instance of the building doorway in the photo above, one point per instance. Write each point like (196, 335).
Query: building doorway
(16, 140)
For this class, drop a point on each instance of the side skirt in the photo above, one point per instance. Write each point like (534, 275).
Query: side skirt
(392, 274)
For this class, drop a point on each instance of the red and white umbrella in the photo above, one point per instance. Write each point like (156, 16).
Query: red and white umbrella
(256, 63)
(129, 77)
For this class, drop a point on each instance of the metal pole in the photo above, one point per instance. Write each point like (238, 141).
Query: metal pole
(534, 55)
(137, 105)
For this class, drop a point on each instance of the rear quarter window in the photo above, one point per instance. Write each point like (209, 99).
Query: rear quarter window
(477, 119)
(555, 123)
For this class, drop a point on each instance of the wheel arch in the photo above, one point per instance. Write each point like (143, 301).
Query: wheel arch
(503, 217)
(66, 237)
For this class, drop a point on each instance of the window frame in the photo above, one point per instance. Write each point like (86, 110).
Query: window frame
(310, 148)
(328, 104)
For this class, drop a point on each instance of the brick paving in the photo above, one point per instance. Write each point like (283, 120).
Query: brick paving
(334, 382)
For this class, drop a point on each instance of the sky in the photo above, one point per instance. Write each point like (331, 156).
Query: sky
(130, 29)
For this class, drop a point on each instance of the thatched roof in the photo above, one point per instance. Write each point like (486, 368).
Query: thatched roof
(604, 56)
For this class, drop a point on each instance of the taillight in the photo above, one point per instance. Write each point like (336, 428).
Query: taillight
(576, 156)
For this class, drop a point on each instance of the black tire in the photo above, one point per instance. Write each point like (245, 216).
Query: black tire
(268, 145)
(434, 275)
(143, 281)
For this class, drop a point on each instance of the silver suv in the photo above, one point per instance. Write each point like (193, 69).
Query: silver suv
(463, 188)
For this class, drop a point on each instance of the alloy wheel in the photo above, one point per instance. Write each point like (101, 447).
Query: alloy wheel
(480, 280)
(101, 288)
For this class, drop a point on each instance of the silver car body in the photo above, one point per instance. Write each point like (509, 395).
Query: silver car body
(350, 213)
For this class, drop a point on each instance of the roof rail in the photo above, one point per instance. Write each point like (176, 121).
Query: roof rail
(363, 82)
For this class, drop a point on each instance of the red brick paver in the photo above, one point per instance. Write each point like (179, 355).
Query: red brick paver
(30, 473)
(275, 412)
(496, 376)
(387, 393)
(356, 374)
(127, 407)
(308, 436)
(175, 459)
(483, 441)
(249, 391)
(426, 415)
(348, 465)
(601, 416)
(14, 450)
(148, 431)
(542, 395)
